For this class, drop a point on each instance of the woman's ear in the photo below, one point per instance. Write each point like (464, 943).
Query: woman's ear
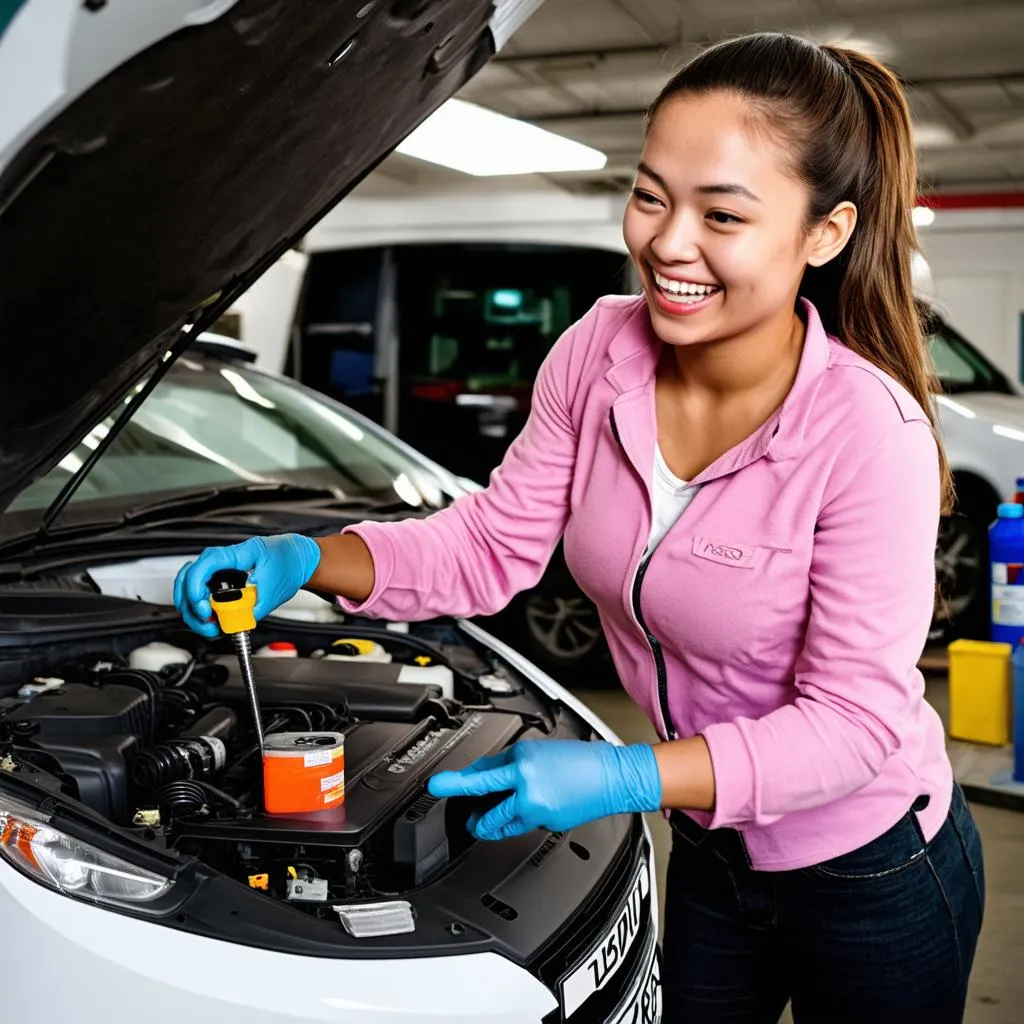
(829, 238)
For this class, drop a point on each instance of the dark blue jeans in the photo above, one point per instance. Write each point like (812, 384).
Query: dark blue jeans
(882, 935)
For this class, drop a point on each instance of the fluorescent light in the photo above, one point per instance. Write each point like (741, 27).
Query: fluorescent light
(507, 298)
(923, 216)
(478, 141)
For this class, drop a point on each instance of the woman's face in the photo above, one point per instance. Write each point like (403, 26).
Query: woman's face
(715, 224)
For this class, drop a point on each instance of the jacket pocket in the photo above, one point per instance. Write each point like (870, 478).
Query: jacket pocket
(738, 556)
(734, 602)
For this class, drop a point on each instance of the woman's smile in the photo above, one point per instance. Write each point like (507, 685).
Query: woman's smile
(681, 296)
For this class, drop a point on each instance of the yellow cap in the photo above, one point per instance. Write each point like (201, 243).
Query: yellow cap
(363, 647)
(235, 614)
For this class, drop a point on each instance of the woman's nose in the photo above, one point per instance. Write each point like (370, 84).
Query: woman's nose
(676, 241)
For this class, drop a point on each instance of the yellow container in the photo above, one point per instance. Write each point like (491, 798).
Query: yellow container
(980, 692)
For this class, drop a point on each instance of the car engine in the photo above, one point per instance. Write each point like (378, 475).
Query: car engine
(160, 740)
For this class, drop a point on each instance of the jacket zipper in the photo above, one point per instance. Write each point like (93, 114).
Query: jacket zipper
(652, 640)
(656, 651)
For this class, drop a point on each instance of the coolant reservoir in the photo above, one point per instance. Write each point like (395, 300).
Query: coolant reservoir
(436, 675)
(349, 649)
(155, 656)
(352, 649)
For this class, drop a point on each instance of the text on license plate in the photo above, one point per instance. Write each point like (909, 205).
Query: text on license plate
(646, 1005)
(601, 964)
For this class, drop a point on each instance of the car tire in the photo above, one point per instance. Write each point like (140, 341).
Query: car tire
(961, 562)
(557, 627)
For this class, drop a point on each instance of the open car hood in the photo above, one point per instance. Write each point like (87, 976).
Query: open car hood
(156, 157)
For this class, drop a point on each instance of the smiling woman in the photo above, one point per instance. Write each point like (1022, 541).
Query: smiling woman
(742, 465)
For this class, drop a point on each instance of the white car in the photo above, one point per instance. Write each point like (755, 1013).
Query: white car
(981, 417)
(154, 158)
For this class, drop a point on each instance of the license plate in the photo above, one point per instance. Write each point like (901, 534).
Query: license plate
(607, 956)
(645, 1007)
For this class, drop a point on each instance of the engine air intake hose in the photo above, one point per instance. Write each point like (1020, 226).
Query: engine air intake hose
(179, 799)
(178, 760)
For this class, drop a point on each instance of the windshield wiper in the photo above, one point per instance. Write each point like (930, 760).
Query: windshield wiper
(100, 529)
(230, 496)
(235, 497)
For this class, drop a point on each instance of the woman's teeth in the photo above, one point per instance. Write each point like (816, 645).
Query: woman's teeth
(683, 291)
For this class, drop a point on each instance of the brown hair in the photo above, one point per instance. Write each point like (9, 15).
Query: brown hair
(845, 118)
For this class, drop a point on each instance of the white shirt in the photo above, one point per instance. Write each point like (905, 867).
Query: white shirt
(671, 498)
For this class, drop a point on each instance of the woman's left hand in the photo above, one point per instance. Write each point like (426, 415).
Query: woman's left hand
(555, 784)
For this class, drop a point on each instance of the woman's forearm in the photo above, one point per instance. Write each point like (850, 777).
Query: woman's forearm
(345, 569)
(687, 774)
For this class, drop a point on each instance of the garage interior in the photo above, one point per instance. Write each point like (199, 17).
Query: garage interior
(587, 68)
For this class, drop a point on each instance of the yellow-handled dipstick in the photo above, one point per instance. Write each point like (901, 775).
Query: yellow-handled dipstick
(233, 599)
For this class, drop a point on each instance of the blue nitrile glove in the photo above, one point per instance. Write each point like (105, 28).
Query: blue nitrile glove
(278, 567)
(555, 784)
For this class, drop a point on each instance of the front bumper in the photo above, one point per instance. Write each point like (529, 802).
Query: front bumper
(66, 960)
(126, 970)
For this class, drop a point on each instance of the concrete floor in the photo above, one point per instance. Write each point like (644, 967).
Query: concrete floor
(997, 983)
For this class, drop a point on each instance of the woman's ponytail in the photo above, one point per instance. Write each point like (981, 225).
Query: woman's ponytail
(878, 314)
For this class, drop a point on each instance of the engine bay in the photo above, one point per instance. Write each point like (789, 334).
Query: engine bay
(159, 739)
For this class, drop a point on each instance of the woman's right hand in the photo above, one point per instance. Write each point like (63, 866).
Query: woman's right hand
(278, 567)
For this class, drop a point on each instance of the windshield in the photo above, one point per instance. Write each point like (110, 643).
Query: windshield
(960, 367)
(210, 423)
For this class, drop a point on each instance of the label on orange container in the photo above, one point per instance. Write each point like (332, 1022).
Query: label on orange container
(321, 757)
(303, 772)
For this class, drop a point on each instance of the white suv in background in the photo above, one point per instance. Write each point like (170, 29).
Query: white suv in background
(981, 416)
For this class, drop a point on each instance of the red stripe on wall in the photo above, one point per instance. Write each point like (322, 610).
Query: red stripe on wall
(973, 201)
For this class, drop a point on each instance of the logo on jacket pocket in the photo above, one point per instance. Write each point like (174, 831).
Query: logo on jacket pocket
(742, 556)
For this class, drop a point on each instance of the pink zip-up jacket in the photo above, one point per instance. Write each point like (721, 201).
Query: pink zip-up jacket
(781, 617)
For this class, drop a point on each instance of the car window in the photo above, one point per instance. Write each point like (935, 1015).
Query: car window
(210, 423)
(960, 366)
(486, 316)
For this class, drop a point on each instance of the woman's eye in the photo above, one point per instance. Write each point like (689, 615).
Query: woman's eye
(721, 217)
(644, 197)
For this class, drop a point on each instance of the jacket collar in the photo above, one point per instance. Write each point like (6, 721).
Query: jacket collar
(634, 352)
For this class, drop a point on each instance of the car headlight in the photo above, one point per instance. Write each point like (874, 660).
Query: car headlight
(71, 866)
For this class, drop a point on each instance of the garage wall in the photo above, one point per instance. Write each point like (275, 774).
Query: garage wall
(267, 310)
(539, 214)
(977, 263)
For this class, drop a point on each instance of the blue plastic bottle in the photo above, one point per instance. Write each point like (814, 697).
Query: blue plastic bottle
(1006, 563)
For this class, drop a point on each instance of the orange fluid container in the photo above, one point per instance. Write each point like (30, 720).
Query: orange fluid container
(303, 772)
